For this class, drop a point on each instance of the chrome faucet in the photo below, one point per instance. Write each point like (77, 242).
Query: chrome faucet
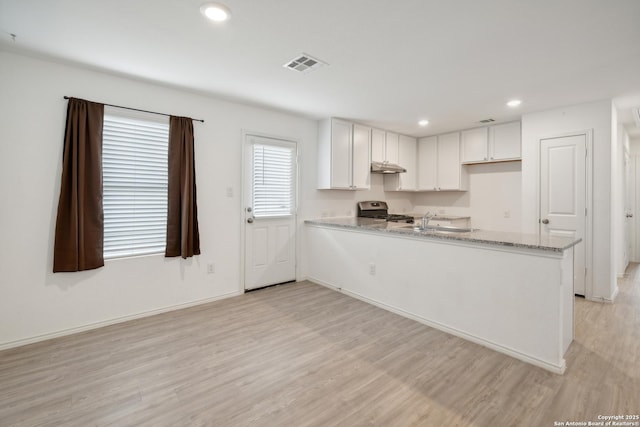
(425, 220)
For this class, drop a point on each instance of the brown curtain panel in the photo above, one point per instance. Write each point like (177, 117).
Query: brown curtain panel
(183, 238)
(80, 222)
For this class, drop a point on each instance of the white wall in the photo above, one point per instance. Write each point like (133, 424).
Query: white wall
(596, 116)
(494, 192)
(34, 301)
(634, 145)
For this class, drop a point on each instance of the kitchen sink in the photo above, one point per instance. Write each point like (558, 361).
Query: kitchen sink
(438, 228)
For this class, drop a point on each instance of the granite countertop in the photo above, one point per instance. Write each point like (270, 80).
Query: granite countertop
(496, 238)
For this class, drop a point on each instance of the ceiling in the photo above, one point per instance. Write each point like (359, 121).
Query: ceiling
(391, 63)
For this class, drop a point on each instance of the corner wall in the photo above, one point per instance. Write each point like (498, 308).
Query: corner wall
(34, 302)
(596, 116)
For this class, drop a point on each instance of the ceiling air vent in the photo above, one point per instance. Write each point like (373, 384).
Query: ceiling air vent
(486, 121)
(304, 63)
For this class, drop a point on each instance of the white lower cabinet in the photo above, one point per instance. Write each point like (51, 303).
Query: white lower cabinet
(439, 167)
(407, 181)
(343, 155)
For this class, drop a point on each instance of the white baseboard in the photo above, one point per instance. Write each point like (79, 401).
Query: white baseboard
(605, 300)
(557, 369)
(70, 331)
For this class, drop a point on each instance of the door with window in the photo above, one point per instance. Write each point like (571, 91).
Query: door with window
(270, 211)
(563, 177)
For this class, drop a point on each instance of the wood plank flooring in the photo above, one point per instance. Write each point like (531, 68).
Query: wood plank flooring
(304, 355)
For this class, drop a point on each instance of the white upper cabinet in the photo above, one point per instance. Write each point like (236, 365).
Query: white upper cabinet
(343, 155)
(505, 142)
(340, 146)
(450, 173)
(407, 181)
(407, 150)
(474, 145)
(378, 145)
(361, 161)
(392, 150)
(428, 164)
(439, 166)
(492, 144)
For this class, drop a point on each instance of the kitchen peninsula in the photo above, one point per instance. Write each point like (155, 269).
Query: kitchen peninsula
(510, 292)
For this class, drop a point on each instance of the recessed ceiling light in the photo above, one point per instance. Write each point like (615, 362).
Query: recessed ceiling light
(514, 103)
(423, 122)
(215, 11)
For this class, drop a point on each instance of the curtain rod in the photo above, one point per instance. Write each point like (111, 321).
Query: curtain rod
(143, 111)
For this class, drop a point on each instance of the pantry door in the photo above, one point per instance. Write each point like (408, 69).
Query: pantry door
(563, 189)
(269, 211)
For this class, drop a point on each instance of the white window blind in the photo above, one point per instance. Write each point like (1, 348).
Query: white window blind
(134, 172)
(273, 180)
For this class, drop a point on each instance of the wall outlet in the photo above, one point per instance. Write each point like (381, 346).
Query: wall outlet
(229, 191)
(211, 268)
(507, 213)
(372, 269)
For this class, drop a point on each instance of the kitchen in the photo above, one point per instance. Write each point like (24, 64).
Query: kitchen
(37, 304)
(339, 256)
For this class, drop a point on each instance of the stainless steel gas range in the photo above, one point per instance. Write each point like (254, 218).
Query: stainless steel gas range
(380, 210)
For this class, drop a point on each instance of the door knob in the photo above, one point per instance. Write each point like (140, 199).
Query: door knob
(250, 220)
(545, 221)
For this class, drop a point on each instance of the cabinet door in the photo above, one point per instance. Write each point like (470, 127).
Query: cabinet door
(504, 141)
(341, 138)
(378, 145)
(474, 145)
(361, 164)
(407, 159)
(428, 163)
(449, 161)
(391, 147)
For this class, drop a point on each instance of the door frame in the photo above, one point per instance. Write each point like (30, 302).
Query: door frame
(246, 134)
(634, 256)
(588, 133)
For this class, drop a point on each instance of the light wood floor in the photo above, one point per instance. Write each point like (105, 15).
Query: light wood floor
(301, 354)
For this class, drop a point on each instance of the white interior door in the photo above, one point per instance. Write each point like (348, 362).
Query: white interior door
(270, 211)
(563, 195)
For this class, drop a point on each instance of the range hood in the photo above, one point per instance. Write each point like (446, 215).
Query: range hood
(386, 167)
